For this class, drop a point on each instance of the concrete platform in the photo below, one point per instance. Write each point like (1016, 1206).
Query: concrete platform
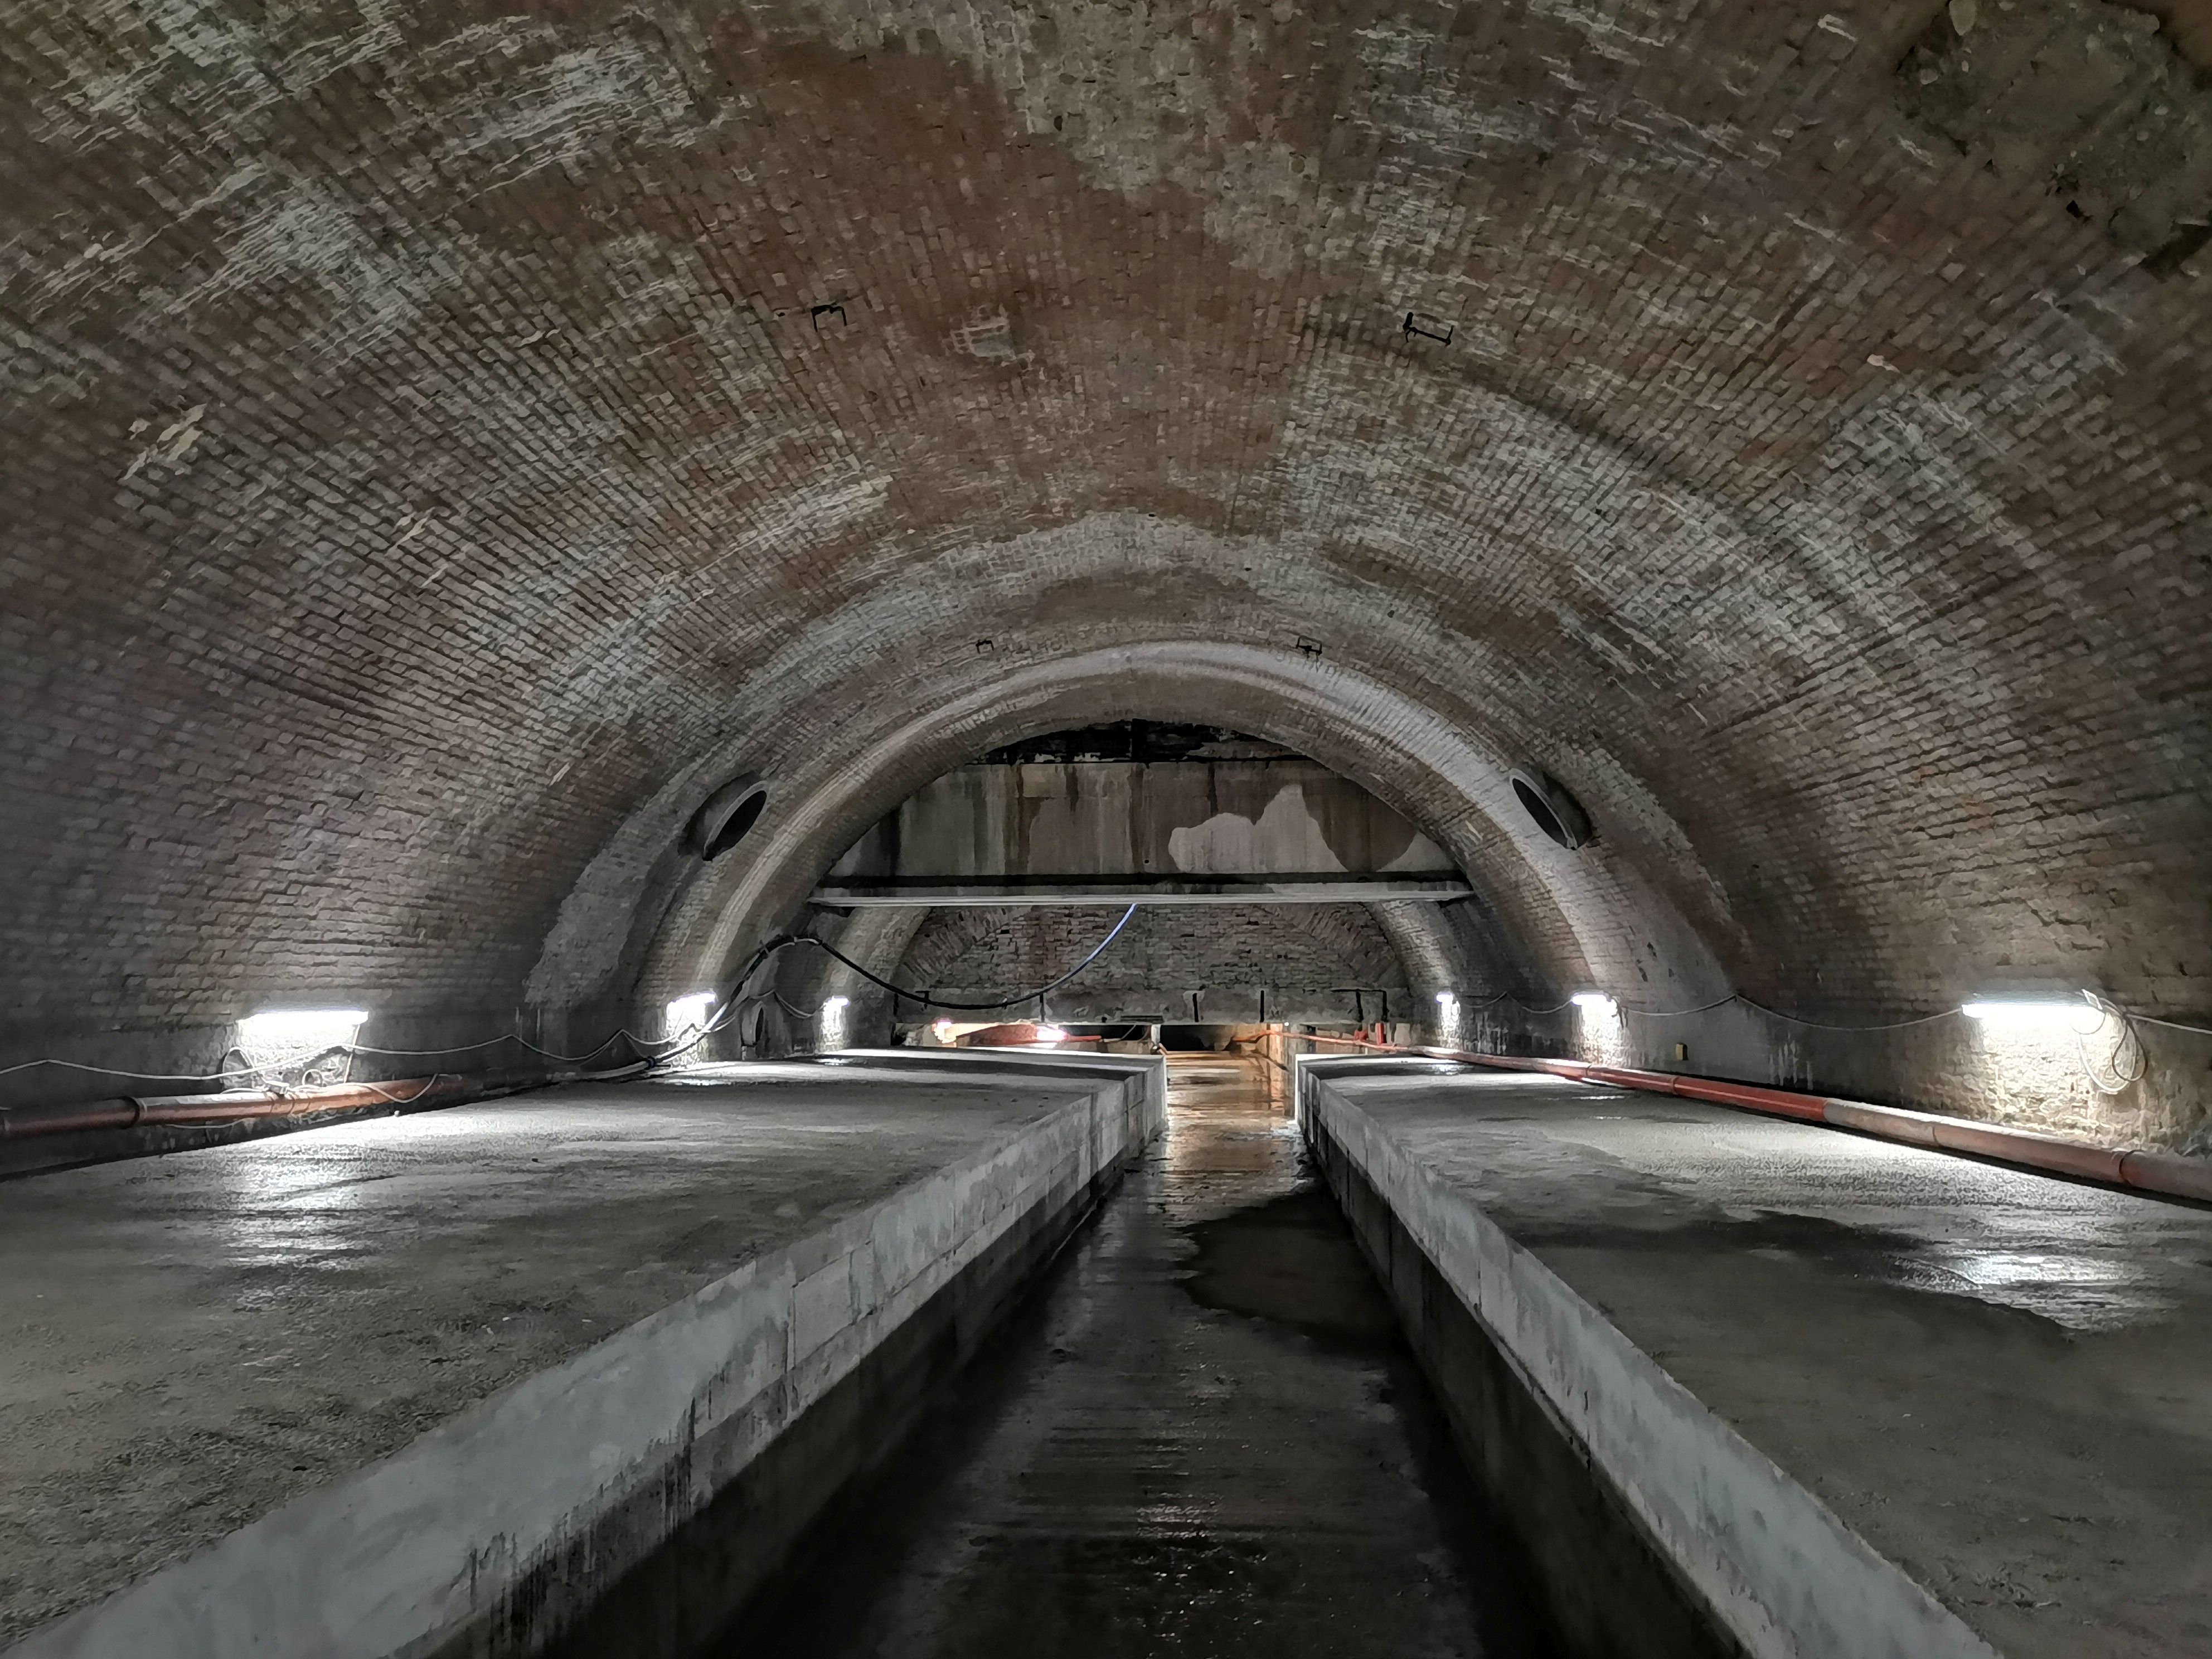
(1997, 1380)
(526, 1309)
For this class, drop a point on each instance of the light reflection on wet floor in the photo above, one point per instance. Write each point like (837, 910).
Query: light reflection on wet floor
(1204, 1438)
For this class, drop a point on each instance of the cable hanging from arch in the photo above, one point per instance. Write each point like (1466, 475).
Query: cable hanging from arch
(927, 1001)
(732, 1009)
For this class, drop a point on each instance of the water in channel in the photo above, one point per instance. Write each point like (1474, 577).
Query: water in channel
(1203, 1437)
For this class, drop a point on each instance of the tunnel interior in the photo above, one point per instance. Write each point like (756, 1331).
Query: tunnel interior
(459, 454)
(1187, 827)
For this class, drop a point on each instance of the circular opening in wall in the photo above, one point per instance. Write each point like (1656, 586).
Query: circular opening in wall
(727, 817)
(1552, 809)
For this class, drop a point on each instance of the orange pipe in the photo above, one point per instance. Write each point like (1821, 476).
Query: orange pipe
(2167, 1172)
(18, 1123)
(1621, 1077)
(1753, 1097)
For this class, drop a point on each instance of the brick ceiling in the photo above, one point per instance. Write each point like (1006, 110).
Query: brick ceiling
(442, 443)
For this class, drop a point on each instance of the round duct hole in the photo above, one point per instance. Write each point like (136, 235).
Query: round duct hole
(1552, 809)
(727, 817)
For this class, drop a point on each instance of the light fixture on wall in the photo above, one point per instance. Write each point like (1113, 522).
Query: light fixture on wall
(2033, 1045)
(279, 1040)
(833, 1021)
(296, 1025)
(687, 1014)
(1598, 1018)
(2027, 1012)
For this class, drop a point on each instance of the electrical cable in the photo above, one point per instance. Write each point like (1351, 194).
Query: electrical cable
(430, 1083)
(1684, 1013)
(1818, 1025)
(1771, 1013)
(2126, 1067)
(457, 1049)
(515, 1037)
(2173, 1024)
(733, 1008)
(1010, 1002)
(136, 1077)
(1706, 1008)
(2126, 1064)
(229, 1072)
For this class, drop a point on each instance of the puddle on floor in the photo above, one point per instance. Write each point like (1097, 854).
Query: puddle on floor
(1291, 1260)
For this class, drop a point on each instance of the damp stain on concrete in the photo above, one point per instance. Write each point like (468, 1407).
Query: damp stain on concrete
(1290, 1261)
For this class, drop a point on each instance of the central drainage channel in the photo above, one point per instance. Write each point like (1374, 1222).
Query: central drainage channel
(1204, 1432)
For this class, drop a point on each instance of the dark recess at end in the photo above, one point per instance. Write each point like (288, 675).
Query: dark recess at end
(1135, 740)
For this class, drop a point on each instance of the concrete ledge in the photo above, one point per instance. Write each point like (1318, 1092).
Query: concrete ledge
(1587, 1560)
(1146, 1074)
(493, 1532)
(2170, 1175)
(1772, 1566)
(686, 1593)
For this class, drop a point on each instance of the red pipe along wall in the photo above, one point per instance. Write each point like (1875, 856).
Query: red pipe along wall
(2168, 1174)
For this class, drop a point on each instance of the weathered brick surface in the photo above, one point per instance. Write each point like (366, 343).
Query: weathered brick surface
(427, 470)
(1284, 947)
(1331, 964)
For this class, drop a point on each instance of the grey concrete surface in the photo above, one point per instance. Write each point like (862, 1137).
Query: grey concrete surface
(193, 1342)
(1995, 1379)
(1206, 1440)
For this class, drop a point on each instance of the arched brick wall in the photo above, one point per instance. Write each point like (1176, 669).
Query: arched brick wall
(443, 443)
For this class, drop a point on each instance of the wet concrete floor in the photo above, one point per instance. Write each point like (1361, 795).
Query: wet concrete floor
(1204, 1436)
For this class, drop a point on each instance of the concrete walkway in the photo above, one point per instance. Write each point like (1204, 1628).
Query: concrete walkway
(1997, 1379)
(189, 1343)
(1208, 1439)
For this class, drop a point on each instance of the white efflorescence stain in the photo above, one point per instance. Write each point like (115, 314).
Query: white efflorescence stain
(174, 443)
